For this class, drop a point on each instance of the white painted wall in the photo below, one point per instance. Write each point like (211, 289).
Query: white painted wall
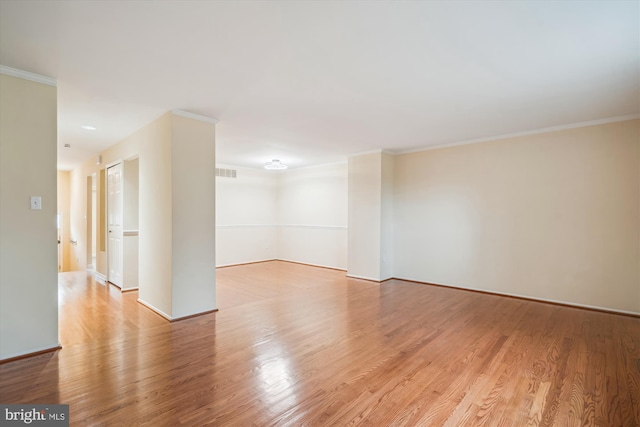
(28, 238)
(297, 215)
(193, 224)
(246, 216)
(387, 225)
(131, 213)
(130, 268)
(365, 216)
(152, 146)
(131, 194)
(312, 214)
(554, 216)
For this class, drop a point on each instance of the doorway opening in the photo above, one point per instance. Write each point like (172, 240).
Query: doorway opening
(92, 222)
(60, 251)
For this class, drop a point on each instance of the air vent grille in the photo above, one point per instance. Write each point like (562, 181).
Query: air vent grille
(226, 173)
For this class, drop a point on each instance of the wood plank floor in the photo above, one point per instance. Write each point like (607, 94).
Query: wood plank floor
(296, 345)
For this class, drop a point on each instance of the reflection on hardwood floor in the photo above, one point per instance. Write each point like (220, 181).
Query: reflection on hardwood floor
(296, 345)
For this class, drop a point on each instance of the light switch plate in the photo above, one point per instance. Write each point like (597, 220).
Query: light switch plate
(36, 202)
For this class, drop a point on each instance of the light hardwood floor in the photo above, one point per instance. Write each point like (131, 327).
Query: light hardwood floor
(296, 345)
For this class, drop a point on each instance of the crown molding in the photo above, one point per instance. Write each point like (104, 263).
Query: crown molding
(289, 169)
(319, 165)
(376, 151)
(523, 133)
(14, 72)
(193, 116)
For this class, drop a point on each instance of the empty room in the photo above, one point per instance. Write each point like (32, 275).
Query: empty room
(320, 213)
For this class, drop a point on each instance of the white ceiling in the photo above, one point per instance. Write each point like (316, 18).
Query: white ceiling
(311, 82)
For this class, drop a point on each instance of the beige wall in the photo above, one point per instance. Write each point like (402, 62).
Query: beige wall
(554, 216)
(77, 222)
(64, 208)
(28, 240)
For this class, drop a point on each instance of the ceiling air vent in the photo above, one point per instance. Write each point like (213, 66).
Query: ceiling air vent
(226, 173)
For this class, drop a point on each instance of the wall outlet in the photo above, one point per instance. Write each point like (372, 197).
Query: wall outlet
(36, 202)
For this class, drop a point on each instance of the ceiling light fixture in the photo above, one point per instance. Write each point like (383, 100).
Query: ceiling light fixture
(275, 165)
(87, 127)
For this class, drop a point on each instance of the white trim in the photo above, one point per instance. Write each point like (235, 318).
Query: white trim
(523, 133)
(320, 165)
(246, 225)
(100, 278)
(325, 227)
(526, 297)
(364, 153)
(330, 267)
(36, 350)
(129, 233)
(376, 151)
(247, 262)
(289, 169)
(113, 163)
(371, 279)
(14, 72)
(283, 260)
(157, 310)
(193, 116)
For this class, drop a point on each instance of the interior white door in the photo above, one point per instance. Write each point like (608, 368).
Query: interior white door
(60, 252)
(114, 223)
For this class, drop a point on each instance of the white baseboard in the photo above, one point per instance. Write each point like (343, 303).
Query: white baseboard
(245, 263)
(32, 351)
(311, 265)
(284, 260)
(370, 279)
(528, 297)
(100, 277)
(157, 310)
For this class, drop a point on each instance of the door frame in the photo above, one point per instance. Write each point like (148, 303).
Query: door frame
(106, 223)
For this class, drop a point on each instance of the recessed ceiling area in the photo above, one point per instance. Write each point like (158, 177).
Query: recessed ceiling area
(312, 82)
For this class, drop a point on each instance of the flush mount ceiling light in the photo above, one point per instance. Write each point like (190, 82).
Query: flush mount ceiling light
(87, 127)
(275, 165)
